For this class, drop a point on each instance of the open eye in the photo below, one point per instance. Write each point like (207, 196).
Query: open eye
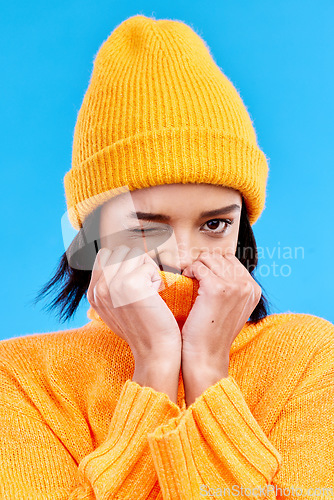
(216, 223)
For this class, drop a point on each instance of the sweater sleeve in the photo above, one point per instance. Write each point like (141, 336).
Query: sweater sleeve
(35, 464)
(304, 432)
(215, 448)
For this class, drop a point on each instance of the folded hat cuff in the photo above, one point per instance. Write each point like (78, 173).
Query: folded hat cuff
(168, 156)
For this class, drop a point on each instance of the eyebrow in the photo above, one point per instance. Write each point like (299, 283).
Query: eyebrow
(211, 213)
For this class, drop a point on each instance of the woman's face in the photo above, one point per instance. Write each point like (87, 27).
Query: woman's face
(171, 222)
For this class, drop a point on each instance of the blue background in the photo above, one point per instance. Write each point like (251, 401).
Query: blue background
(279, 55)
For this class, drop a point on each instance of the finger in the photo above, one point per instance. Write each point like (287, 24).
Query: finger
(216, 262)
(134, 258)
(98, 266)
(115, 259)
(150, 260)
(107, 263)
(157, 281)
(229, 252)
(225, 266)
(240, 269)
(198, 270)
(108, 266)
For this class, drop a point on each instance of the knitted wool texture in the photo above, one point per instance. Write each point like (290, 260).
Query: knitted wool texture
(158, 110)
(74, 426)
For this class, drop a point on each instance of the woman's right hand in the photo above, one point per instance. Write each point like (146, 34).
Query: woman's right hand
(124, 293)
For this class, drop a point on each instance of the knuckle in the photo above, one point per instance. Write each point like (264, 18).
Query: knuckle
(131, 282)
(229, 254)
(245, 288)
(232, 287)
(102, 290)
(258, 291)
(89, 296)
(220, 289)
(90, 292)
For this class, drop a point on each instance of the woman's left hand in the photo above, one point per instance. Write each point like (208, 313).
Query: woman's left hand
(227, 296)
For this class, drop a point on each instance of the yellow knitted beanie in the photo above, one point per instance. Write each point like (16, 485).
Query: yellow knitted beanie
(158, 110)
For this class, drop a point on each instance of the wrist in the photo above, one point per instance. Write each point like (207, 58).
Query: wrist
(196, 374)
(197, 377)
(205, 362)
(196, 385)
(160, 375)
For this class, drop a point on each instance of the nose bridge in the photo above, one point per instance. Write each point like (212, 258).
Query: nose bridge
(185, 247)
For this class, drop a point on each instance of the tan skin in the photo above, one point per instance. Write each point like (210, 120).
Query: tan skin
(124, 292)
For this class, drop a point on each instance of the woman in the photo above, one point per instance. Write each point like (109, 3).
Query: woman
(182, 385)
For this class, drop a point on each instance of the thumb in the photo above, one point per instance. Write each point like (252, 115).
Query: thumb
(154, 274)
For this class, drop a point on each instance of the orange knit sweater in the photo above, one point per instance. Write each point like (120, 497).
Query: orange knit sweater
(75, 426)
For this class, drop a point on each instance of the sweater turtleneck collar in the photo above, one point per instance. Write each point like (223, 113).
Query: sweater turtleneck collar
(180, 293)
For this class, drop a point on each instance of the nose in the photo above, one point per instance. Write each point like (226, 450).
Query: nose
(177, 254)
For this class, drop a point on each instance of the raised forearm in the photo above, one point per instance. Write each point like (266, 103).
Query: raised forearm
(197, 377)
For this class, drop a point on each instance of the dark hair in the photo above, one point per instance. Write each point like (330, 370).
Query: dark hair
(73, 280)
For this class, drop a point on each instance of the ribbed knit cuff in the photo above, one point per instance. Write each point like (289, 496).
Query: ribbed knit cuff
(142, 406)
(122, 462)
(217, 433)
